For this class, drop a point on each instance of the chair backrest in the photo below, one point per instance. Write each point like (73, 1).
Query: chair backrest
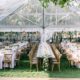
(30, 56)
(18, 56)
(32, 52)
(7, 57)
(56, 53)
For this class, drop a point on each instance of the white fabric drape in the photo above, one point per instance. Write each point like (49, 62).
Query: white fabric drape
(44, 50)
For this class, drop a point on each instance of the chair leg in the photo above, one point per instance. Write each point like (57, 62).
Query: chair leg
(3, 66)
(59, 67)
(52, 67)
(37, 66)
(30, 67)
(8, 65)
(18, 62)
(72, 63)
(69, 63)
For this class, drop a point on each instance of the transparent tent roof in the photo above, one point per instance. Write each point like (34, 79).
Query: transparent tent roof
(31, 12)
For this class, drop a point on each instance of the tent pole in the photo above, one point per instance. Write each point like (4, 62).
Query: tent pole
(43, 23)
(43, 17)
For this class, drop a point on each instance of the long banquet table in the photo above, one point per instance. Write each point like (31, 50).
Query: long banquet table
(44, 50)
(12, 49)
(45, 55)
(72, 50)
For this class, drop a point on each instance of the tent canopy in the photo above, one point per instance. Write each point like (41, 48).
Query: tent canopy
(30, 13)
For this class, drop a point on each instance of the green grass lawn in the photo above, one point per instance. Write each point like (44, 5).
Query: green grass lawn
(24, 71)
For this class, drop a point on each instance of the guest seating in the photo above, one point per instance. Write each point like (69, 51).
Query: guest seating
(7, 60)
(56, 60)
(69, 56)
(18, 55)
(32, 56)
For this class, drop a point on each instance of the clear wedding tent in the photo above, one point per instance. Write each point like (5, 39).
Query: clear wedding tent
(27, 14)
(21, 20)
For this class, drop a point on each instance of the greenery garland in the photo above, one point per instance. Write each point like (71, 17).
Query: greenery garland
(45, 63)
(62, 3)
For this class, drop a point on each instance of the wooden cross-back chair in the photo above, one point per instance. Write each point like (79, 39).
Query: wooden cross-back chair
(57, 54)
(18, 56)
(69, 57)
(32, 57)
(7, 60)
(17, 59)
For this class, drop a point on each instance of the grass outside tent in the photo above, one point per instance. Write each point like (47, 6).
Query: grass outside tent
(24, 71)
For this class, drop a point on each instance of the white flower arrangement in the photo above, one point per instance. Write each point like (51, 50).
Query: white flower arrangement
(45, 63)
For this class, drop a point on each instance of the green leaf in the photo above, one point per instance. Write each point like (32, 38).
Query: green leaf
(56, 2)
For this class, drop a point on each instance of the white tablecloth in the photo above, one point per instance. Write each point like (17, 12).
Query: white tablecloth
(2, 52)
(12, 49)
(44, 50)
(74, 52)
(1, 59)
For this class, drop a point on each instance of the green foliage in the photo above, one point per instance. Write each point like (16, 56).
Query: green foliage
(62, 3)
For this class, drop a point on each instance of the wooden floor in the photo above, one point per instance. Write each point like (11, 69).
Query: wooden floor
(6, 78)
